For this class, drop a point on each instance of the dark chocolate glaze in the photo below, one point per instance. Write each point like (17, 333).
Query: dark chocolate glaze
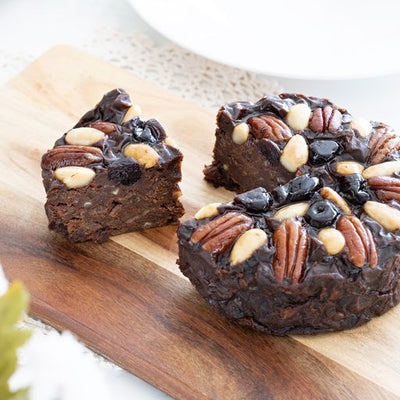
(332, 293)
(256, 162)
(123, 196)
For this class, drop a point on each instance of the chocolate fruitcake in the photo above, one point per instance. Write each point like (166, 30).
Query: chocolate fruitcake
(319, 252)
(112, 173)
(269, 142)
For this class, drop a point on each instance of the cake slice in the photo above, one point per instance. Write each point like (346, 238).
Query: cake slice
(267, 143)
(112, 173)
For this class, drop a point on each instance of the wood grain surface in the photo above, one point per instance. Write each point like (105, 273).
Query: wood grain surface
(126, 299)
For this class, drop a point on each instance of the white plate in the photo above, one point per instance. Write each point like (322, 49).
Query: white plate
(309, 39)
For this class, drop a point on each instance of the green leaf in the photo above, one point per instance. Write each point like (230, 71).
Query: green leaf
(8, 364)
(12, 338)
(5, 394)
(4, 391)
(13, 306)
(22, 394)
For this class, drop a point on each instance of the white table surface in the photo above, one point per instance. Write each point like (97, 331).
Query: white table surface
(30, 27)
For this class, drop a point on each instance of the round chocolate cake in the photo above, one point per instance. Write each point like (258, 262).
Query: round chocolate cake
(316, 254)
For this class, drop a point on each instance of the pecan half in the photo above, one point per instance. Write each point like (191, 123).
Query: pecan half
(64, 156)
(269, 127)
(381, 145)
(291, 243)
(325, 119)
(359, 241)
(386, 187)
(217, 235)
(382, 128)
(107, 127)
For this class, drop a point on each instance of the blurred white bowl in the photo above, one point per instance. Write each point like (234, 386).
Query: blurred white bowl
(308, 39)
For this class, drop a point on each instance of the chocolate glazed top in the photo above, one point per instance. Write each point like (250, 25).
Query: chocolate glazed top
(318, 261)
(108, 116)
(331, 197)
(353, 146)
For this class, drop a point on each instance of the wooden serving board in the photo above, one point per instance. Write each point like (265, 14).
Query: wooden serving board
(126, 299)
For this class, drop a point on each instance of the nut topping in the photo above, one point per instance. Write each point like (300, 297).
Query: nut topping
(327, 119)
(361, 125)
(295, 153)
(169, 141)
(246, 245)
(332, 239)
(269, 127)
(349, 167)
(388, 217)
(386, 187)
(291, 243)
(74, 177)
(386, 168)
(63, 156)
(359, 241)
(298, 116)
(335, 197)
(177, 194)
(217, 235)
(144, 154)
(292, 211)
(84, 136)
(240, 133)
(107, 127)
(381, 145)
(207, 211)
(133, 112)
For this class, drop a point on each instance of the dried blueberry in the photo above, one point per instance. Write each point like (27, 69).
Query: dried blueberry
(321, 213)
(126, 171)
(150, 131)
(270, 151)
(353, 188)
(257, 199)
(302, 187)
(156, 130)
(356, 147)
(280, 194)
(322, 151)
